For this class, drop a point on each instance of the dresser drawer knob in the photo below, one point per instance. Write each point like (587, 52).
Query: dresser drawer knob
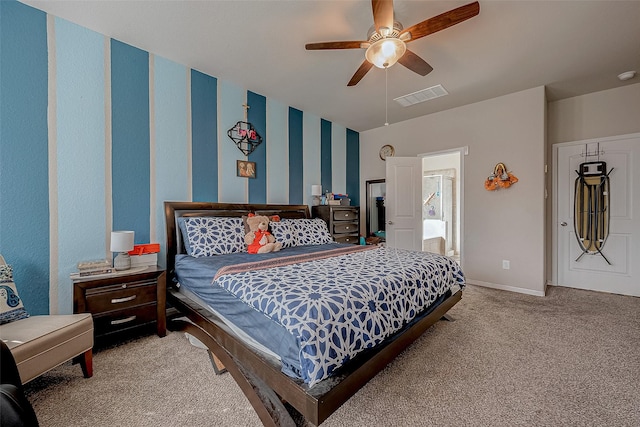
(125, 320)
(125, 299)
(347, 227)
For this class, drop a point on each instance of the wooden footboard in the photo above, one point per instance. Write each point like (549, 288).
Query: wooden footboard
(268, 389)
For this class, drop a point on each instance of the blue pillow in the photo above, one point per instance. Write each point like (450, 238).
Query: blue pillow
(11, 307)
(183, 233)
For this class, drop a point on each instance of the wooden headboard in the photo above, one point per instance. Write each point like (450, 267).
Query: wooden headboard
(175, 210)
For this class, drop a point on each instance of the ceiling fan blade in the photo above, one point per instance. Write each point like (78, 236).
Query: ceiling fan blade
(382, 13)
(415, 63)
(442, 21)
(364, 68)
(337, 45)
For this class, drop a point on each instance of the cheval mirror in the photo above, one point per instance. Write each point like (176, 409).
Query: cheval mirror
(376, 192)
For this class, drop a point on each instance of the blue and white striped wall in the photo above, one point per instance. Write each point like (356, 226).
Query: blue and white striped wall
(96, 134)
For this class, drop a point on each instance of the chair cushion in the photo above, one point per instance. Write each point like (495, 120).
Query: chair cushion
(40, 343)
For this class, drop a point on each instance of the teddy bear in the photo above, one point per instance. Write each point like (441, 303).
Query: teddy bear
(259, 239)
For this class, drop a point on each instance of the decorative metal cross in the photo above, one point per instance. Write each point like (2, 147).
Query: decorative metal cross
(244, 135)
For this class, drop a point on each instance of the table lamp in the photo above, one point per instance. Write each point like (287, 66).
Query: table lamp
(122, 242)
(316, 192)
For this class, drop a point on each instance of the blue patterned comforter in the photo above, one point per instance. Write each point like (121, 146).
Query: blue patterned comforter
(336, 307)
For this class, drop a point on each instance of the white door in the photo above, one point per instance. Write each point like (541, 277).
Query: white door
(404, 203)
(622, 247)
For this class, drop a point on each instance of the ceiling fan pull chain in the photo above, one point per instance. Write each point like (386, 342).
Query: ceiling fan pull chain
(386, 96)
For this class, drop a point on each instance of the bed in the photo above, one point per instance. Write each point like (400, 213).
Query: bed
(303, 329)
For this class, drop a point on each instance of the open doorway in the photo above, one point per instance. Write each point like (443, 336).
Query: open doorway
(407, 225)
(441, 203)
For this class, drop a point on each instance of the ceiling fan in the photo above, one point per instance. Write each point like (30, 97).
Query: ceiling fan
(386, 41)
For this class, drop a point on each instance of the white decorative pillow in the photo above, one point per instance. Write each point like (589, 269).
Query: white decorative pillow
(11, 307)
(310, 232)
(209, 236)
(281, 231)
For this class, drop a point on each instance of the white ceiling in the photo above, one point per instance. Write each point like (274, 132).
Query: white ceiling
(573, 47)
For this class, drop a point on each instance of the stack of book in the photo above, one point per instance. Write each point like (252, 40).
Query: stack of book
(92, 268)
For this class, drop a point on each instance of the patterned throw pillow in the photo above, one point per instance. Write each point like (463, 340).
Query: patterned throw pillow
(281, 230)
(11, 307)
(209, 236)
(310, 232)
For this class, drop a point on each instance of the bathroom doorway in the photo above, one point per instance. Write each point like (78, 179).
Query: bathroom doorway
(441, 203)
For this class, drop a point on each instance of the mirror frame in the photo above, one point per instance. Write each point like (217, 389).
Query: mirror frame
(368, 201)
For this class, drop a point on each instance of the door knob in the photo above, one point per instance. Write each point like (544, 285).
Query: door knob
(389, 222)
(563, 223)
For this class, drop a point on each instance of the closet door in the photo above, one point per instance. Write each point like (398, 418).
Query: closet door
(616, 270)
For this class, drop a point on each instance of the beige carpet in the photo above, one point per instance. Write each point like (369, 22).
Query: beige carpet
(571, 358)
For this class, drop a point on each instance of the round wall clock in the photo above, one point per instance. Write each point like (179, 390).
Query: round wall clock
(387, 151)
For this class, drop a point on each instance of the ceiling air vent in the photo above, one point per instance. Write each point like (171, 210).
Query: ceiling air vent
(422, 95)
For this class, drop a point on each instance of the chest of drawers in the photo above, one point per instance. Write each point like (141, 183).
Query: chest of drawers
(343, 221)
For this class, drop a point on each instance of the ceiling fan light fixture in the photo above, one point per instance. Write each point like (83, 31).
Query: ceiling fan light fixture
(385, 52)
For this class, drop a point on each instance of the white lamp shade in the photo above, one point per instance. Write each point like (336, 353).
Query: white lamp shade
(316, 190)
(121, 241)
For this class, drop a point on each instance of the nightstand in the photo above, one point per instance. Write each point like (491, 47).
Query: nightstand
(343, 221)
(123, 300)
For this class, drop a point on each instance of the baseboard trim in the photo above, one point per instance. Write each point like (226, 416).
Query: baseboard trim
(509, 288)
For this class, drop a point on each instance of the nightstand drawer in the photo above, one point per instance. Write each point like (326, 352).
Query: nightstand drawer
(123, 319)
(121, 296)
(345, 214)
(351, 238)
(345, 227)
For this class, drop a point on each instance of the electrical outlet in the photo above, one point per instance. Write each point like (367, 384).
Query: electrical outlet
(505, 264)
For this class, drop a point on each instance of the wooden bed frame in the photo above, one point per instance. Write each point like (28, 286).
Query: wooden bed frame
(278, 399)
